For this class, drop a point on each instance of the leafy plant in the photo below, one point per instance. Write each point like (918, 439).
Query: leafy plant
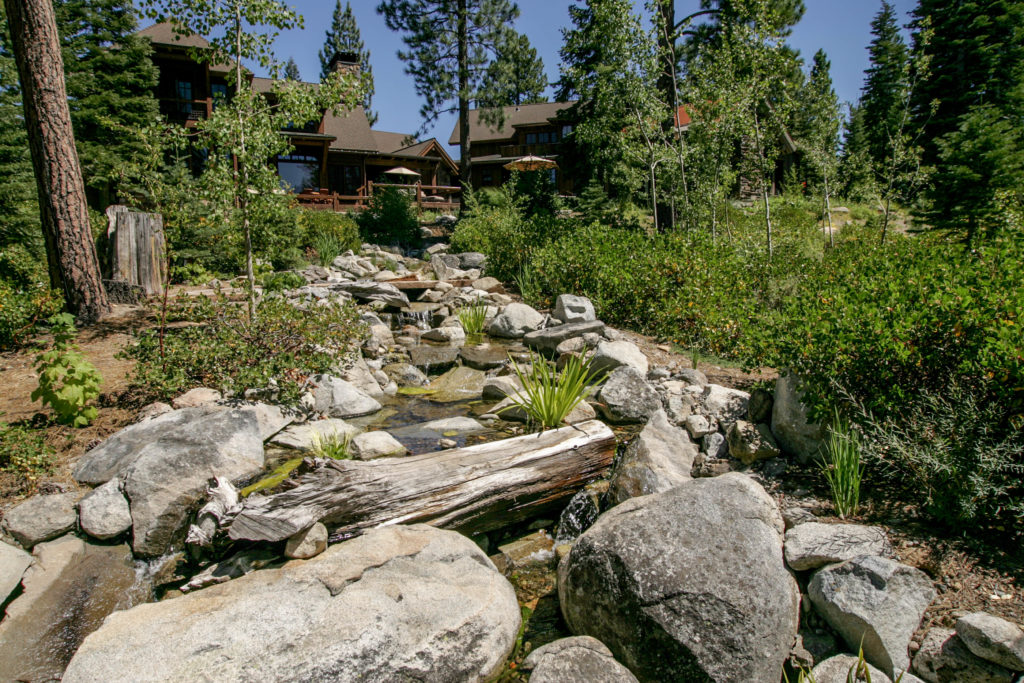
(389, 218)
(341, 225)
(842, 467)
(67, 381)
(334, 446)
(277, 282)
(549, 396)
(473, 317)
(23, 451)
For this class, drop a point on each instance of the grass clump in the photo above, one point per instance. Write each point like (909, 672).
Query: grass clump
(334, 446)
(473, 317)
(328, 246)
(548, 396)
(843, 468)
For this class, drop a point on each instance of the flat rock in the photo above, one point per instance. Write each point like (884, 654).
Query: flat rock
(708, 599)
(483, 357)
(626, 397)
(614, 354)
(514, 321)
(458, 384)
(379, 444)
(874, 601)
(812, 544)
(570, 308)
(369, 291)
(398, 603)
(433, 358)
(336, 397)
(104, 512)
(548, 339)
(945, 658)
(993, 639)
(656, 460)
(304, 437)
(13, 563)
(580, 659)
(837, 670)
(41, 518)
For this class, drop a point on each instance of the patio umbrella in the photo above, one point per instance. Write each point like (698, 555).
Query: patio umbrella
(401, 170)
(531, 163)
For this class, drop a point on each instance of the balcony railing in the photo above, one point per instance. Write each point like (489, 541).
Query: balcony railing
(540, 150)
(430, 197)
(186, 111)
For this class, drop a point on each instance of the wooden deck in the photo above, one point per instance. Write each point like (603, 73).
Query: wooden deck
(426, 198)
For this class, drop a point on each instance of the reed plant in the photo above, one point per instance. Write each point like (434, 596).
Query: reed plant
(328, 246)
(842, 467)
(334, 446)
(548, 396)
(473, 317)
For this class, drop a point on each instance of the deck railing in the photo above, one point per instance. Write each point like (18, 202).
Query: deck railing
(426, 197)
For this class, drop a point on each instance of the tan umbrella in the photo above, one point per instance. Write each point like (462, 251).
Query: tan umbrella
(401, 170)
(531, 163)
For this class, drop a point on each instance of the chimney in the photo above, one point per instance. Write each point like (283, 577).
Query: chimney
(344, 62)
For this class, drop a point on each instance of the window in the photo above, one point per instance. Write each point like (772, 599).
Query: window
(345, 179)
(487, 178)
(219, 92)
(553, 176)
(566, 131)
(298, 172)
(531, 138)
(183, 92)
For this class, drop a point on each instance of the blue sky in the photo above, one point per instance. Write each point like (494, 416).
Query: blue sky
(841, 27)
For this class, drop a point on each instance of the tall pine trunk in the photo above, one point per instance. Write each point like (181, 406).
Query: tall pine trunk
(463, 38)
(74, 268)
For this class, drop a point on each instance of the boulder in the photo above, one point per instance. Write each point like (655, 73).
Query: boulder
(749, 443)
(270, 419)
(794, 434)
(359, 375)
(708, 599)
(993, 639)
(104, 512)
(433, 358)
(570, 308)
(691, 376)
(307, 544)
(458, 384)
(873, 602)
(627, 397)
(724, 404)
(193, 398)
(304, 437)
(41, 518)
(398, 603)
(614, 354)
(837, 670)
(497, 388)
(488, 284)
(471, 259)
(406, 375)
(368, 291)
(944, 658)
(580, 659)
(370, 445)
(514, 321)
(658, 459)
(812, 544)
(13, 563)
(548, 339)
(714, 445)
(379, 338)
(451, 334)
(759, 407)
(336, 397)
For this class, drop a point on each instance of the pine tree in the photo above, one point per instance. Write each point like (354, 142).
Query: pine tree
(450, 44)
(343, 36)
(516, 76)
(19, 208)
(884, 84)
(110, 82)
(291, 71)
(856, 175)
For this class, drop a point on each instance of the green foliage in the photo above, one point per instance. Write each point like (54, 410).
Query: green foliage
(19, 209)
(232, 352)
(327, 246)
(516, 76)
(26, 299)
(472, 317)
(389, 218)
(842, 467)
(528, 285)
(343, 36)
(191, 274)
(278, 282)
(334, 446)
(291, 70)
(549, 396)
(881, 101)
(341, 226)
(67, 381)
(290, 258)
(23, 451)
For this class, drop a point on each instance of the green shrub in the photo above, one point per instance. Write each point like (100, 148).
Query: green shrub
(291, 258)
(193, 273)
(278, 282)
(341, 225)
(232, 353)
(68, 382)
(23, 451)
(26, 299)
(390, 218)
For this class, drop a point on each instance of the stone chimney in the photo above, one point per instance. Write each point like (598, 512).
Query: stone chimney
(344, 62)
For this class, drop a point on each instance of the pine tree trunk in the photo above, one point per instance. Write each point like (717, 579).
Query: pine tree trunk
(74, 267)
(463, 38)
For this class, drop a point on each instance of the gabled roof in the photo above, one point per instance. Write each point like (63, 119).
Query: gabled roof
(351, 129)
(390, 142)
(515, 116)
(163, 34)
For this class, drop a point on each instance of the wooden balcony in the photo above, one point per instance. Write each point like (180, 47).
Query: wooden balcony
(426, 198)
(540, 150)
(187, 112)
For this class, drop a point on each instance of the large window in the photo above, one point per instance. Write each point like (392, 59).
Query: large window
(531, 138)
(183, 92)
(345, 179)
(299, 172)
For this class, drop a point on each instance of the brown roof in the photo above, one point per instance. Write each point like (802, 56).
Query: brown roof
(521, 115)
(390, 142)
(351, 129)
(163, 34)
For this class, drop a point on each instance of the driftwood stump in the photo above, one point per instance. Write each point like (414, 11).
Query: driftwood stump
(472, 490)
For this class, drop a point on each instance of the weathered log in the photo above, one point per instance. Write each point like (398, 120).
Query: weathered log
(471, 489)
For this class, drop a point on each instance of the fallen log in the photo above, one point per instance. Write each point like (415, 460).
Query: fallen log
(471, 489)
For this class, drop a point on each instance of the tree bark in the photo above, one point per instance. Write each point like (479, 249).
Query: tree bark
(472, 489)
(462, 29)
(71, 255)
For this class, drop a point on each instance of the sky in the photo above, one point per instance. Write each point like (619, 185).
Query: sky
(841, 27)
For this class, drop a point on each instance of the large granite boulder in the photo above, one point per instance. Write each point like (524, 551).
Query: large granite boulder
(794, 433)
(874, 603)
(514, 321)
(658, 459)
(339, 398)
(570, 308)
(945, 658)
(813, 545)
(399, 603)
(993, 639)
(626, 397)
(580, 659)
(688, 584)
(41, 518)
